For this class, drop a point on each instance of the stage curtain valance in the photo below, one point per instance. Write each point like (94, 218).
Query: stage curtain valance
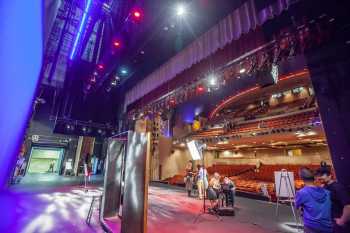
(240, 21)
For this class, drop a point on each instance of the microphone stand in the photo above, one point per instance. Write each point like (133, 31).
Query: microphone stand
(204, 211)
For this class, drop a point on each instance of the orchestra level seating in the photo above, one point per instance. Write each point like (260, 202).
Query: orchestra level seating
(249, 179)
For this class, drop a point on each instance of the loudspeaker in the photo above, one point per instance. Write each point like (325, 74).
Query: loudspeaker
(264, 78)
(226, 211)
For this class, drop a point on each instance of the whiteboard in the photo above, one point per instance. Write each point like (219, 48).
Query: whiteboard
(282, 185)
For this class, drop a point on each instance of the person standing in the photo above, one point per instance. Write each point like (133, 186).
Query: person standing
(189, 178)
(87, 165)
(19, 169)
(315, 203)
(202, 181)
(51, 166)
(340, 198)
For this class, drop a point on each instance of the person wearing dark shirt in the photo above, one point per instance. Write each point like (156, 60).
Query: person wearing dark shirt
(340, 198)
(315, 203)
(189, 178)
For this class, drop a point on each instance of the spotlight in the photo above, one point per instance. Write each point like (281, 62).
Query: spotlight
(114, 83)
(200, 89)
(212, 80)
(180, 10)
(123, 71)
(70, 127)
(84, 129)
(242, 71)
(136, 14)
(117, 44)
(172, 102)
(100, 66)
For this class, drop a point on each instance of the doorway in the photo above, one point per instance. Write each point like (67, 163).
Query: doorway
(45, 160)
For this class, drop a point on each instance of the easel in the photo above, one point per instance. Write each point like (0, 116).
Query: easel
(289, 190)
(203, 211)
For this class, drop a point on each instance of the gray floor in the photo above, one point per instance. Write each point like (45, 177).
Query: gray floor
(175, 212)
(50, 203)
(54, 180)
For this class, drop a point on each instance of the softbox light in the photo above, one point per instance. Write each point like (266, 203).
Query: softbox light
(194, 149)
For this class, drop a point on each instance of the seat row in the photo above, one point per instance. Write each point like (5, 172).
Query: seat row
(250, 179)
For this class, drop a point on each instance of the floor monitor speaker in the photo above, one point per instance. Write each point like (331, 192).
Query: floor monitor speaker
(226, 211)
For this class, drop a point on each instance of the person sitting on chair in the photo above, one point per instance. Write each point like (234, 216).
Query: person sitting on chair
(229, 189)
(214, 191)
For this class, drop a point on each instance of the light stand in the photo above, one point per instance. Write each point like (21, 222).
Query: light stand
(203, 211)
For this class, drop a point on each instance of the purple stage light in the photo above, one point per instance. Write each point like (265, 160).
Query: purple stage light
(82, 25)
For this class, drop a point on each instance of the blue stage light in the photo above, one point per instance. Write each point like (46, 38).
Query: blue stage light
(82, 25)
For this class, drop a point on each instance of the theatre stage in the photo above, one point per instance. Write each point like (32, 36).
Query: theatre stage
(171, 211)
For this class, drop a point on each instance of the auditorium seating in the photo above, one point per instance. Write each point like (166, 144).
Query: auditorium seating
(274, 123)
(256, 110)
(250, 180)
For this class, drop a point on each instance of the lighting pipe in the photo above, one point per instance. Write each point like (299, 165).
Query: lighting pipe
(82, 25)
(299, 74)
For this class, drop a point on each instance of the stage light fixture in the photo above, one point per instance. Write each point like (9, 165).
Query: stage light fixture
(136, 14)
(200, 89)
(100, 66)
(242, 71)
(274, 72)
(180, 10)
(117, 44)
(212, 80)
(124, 71)
(114, 83)
(117, 78)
